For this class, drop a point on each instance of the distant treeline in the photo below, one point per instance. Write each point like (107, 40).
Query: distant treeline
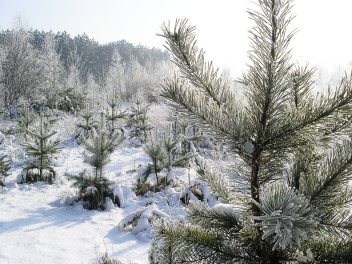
(64, 72)
(95, 57)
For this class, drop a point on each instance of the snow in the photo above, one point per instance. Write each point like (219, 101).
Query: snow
(35, 229)
(42, 223)
(37, 225)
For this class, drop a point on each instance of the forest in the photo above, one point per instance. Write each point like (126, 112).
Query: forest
(35, 62)
(115, 153)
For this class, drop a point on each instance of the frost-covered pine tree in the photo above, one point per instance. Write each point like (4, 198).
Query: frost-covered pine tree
(115, 77)
(26, 119)
(138, 120)
(41, 148)
(88, 123)
(165, 153)
(72, 97)
(114, 112)
(174, 157)
(94, 189)
(295, 198)
(4, 168)
(156, 153)
(99, 148)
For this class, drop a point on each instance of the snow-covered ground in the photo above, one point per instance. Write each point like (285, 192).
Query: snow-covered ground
(40, 224)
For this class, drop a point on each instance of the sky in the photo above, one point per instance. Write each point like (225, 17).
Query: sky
(324, 37)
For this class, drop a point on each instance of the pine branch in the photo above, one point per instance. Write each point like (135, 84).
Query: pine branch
(191, 61)
(210, 246)
(337, 227)
(324, 112)
(331, 251)
(332, 175)
(219, 183)
(221, 219)
(288, 218)
(278, 117)
(199, 109)
(268, 75)
(302, 81)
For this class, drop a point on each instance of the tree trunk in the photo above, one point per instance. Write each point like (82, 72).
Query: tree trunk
(41, 168)
(262, 248)
(255, 197)
(156, 172)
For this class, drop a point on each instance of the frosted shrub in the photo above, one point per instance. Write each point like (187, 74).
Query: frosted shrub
(92, 190)
(4, 168)
(105, 259)
(165, 154)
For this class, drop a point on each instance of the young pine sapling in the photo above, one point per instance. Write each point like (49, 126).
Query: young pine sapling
(41, 148)
(4, 168)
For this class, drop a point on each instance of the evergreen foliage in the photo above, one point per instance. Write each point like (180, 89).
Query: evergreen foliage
(281, 124)
(115, 114)
(26, 119)
(53, 73)
(92, 190)
(180, 128)
(86, 127)
(4, 168)
(70, 100)
(105, 259)
(174, 158)
(165, 153)
(331, 251)
(143, 187)
(41, 148)
(99, 147)
(138, 120)
(156, 153)
(218, 182)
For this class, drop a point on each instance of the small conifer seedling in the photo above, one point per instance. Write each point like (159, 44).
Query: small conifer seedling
(41, 148)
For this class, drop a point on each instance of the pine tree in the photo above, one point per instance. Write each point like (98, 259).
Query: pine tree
(94, 189)
(73, 96)
(115, 114)
(290, 203)
(41, 148)
(174, 157)
(4, 168)
(138, 120)
(88, 124)
(165, 153)
(26, 119)
(99, 148)
(156, 153)
(181, 130)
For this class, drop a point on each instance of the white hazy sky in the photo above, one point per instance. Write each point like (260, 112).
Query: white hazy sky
(324, 36)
